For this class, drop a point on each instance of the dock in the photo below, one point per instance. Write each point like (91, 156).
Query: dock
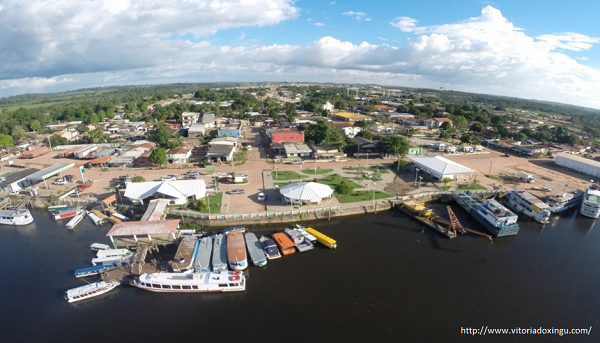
(136, 267)
(323, 239)
(425, 216)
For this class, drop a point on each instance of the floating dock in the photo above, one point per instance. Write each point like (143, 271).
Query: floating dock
(425, 216)
(321, 238)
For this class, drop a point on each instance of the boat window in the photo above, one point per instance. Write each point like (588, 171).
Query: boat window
(233, 284)
(154, 286)
(195, 287)
(186, 287)
(176, 286)
(222, 285)
(165, 286)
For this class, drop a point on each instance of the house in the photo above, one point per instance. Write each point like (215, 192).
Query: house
(233, 141)
(349, 116)
(209, 121)
(415, 151)
(180, 154)
(14, 182)
(364, 146)
(144, 160)
(220, 152)
(230, 130)
(196, 130)
(68, 135)
(466, 148)
(327, 151)
(349, 129)
(450, 149)
(189, 118)
(326, 106)
(291, 149)
(436, 122)
(286, 135)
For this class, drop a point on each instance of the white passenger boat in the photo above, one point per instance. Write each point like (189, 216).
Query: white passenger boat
(565, 200)
(191, 282)
(90, 291)
(524, 202)
(111, 256)
(76, 220)
(257, 255)
(590, 205)
(97, 217)
(15, 216)
(307, 235)
(219, 257)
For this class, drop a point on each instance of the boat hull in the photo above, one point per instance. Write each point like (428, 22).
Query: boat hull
(191, 282)
(471, 208)
(16, 217)
(90, 291)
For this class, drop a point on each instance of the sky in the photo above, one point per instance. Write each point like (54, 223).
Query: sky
(545, 50)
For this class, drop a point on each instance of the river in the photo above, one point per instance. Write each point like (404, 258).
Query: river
(390, 280)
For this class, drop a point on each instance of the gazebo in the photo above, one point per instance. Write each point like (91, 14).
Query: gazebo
(305, 192)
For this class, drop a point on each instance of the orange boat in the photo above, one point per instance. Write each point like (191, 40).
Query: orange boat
(284, 243)
(236, 250)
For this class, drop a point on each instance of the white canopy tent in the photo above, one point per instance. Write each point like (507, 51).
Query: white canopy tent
(302, 192)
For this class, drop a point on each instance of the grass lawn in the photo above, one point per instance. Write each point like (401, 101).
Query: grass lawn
(361, 196)
(445, 188)
(369, 169)
(330, 180)
(311, 171)
(470, 186)
(286, 175)
(215, 201)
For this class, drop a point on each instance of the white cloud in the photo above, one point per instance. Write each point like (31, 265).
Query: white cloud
(486, 54)
(319, 24)
(357, 15)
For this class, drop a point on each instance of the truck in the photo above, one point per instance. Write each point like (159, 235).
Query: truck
(526, 177)
(36, 152)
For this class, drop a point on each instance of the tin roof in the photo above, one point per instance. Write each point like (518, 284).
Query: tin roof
(144, 228)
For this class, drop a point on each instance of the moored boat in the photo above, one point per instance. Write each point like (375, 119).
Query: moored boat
(97, 217)
(590, 204)
(522, 201)
(15, 216)
(236, 250)
(308, 236)
(302, 243)
(202, 261)
(323, 239)
(99, 246)
(191, 282)
(90, 291)
(284, 243)
(563, 201)
(68, 213)
(257, 255)
(56, 208)
(270, 248)
(95, 270)
(219, 257)
(105, 257)
(495, 217)
(76, 220)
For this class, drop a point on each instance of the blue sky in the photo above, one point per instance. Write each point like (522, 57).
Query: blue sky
(545, 50)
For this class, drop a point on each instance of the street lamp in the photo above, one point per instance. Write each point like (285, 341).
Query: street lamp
(208, 203)
(420, 180)
(315, 165)
(416, 175)
(367, 162)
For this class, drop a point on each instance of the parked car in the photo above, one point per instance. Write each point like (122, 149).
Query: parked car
(68, 178)
(169, 178)
(262, 197)
(193, 175)
(224, 179)
(546, 189)
(249, 147)
(235, 191)
(60, 182)
(296, 162)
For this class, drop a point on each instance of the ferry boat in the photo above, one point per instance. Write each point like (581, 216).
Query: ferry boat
(524, 202)
(236, 250)
(495, 217)
(76, 220)
(270, 248)
(97, 217)
(191, 282)
(90, 291)
(590, 205)
(563, 201)
(15, 216)
(99, 246)
(56, 208)
(257, 255)
(219, 257)
(83, 272)
(202, 261)
(105, 257)
(285, 244)
(302, 243)
(321, 238)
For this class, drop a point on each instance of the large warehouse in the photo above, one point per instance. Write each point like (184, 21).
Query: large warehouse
(577, 163)
(440, 167)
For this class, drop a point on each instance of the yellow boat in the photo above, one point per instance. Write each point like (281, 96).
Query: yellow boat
(321, 238)
(99, 214)
(114, 220)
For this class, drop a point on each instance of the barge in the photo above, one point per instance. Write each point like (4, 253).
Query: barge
(494, 216)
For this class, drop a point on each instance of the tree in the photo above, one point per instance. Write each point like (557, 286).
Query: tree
(96, 135)
(343, 188)
(35, 125)
(160, 133)
(82, 128)
(460, 124)
(158, 156)
(18, 132)
(393, 144)
(365, 134)
(446, 126)
(6, 141)
(57, 140)
(445, 135)
(476, 127)
(138, 178)
(446, 180)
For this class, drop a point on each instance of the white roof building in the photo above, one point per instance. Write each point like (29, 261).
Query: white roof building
(306, 192)
(440, 167)
(177, 192)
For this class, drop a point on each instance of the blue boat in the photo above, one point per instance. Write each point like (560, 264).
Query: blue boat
(496, 218)
(83, 272)
(202, 260)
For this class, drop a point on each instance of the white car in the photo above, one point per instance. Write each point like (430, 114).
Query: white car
(60, 182)
(249, 147)
(262, 197)
(169, 178)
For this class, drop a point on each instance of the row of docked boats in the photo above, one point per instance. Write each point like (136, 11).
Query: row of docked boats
(501, 221)
(77, 214)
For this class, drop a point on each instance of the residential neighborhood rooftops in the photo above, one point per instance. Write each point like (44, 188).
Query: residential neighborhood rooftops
(350, 115)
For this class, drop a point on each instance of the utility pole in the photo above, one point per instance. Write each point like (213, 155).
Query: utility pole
(490, 172)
